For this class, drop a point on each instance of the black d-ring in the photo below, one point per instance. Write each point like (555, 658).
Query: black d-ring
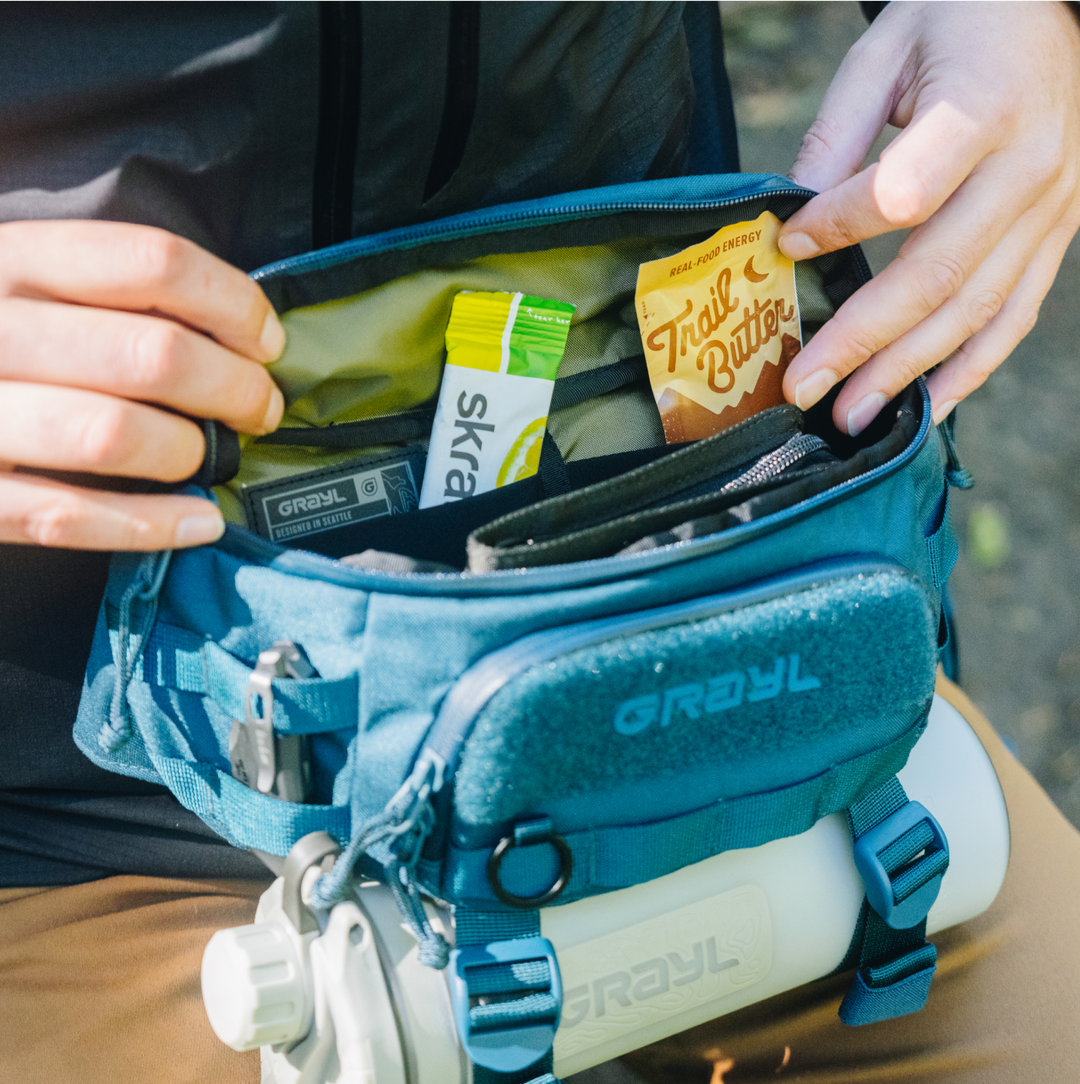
(530, 903)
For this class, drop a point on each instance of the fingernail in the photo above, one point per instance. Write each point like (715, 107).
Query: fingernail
(798, 246)
(811, 388)
(274, 410)
(943, 411)
(198, 530)
(272, 339)
(864, 412)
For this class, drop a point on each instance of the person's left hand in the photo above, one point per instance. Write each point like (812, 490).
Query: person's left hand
(986, 170)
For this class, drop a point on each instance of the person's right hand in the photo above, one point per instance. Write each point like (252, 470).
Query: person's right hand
(98, 322)
(986, 173)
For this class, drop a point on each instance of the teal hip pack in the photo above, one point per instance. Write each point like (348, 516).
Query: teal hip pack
(639, 657)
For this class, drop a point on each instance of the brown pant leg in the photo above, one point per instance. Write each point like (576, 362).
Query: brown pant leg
(99, 983)
(1004, 1005)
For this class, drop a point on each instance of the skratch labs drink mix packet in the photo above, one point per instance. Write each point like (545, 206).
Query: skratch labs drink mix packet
(502, 355)
(720, 323)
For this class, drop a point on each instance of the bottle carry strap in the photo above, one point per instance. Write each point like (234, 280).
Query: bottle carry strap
(507, 995)
(902, 855)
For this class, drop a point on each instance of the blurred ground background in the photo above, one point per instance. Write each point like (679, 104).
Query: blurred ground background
(1016, 589)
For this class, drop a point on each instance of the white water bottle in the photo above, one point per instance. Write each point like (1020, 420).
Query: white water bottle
(353, 1004)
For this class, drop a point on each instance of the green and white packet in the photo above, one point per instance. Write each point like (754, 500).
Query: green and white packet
(502, 356)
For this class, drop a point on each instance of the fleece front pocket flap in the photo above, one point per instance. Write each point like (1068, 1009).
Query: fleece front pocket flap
(806, 687)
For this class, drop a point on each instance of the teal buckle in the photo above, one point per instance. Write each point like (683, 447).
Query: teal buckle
(500, 1032)
(902, 861)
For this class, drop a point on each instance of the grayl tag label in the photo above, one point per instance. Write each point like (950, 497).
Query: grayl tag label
(321, 500)
(662, 967)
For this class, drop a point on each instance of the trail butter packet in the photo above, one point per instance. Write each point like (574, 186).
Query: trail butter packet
(720, 323)
(502, 354)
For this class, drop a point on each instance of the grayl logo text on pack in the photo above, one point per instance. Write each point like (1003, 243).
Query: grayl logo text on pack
(715, 694)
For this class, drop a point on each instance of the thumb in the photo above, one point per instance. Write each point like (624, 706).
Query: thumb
(857, 106)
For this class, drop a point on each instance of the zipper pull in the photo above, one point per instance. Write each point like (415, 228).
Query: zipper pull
(955, 472)
(394, 838)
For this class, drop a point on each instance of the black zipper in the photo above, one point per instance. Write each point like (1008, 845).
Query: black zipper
(339, 115)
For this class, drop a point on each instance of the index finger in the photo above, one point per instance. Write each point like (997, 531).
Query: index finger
(39, 511)
(142, 269)
(915, 175)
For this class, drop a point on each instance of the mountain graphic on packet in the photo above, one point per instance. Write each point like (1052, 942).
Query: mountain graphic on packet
(720, 323)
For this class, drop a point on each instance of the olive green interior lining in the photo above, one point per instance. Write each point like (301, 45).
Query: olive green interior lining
(381, 351)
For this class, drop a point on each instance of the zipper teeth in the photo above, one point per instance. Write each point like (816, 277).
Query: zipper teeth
(830, 496)
(698, 547)
(776, 461)
(348, 250)
(606, 568)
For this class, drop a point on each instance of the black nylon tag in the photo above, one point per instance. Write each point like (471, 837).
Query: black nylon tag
(320, 500)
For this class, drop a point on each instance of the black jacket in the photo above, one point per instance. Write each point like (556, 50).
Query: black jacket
(260, 131)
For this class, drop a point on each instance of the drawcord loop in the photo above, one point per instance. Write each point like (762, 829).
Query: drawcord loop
(395, 838)
(144, 587)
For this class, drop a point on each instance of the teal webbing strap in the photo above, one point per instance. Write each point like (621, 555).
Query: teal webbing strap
(510, 994)
(538, 1073)
(894, 973)
(301, 706)
(895, 966)
(876, 806)
(246, 818)
(608, 858)
(243, 816)
(174, 658)
(482, 927)
(942, 549)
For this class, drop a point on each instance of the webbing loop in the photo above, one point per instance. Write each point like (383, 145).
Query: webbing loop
(896, 988)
